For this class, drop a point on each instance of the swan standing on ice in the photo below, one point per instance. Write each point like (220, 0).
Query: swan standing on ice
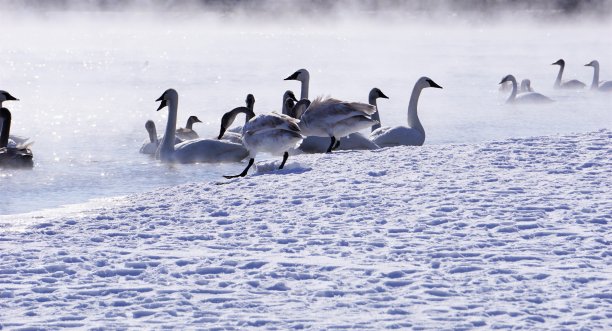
(196, 150)
(12, 157)
(570, 84)
(414, 133)
(272, 133)
(527, 97)
(596, 85)
(187, 133)
(303, 76)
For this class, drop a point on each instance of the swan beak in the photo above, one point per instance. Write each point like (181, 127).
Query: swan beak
(197, 120)
(587, 65)
(221, 133)
(293, 76)
(10, 97)
(292, 97)
(433, 84)
(382, 95)
(163, 104)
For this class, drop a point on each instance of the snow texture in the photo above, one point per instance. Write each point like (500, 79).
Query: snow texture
(512, 234)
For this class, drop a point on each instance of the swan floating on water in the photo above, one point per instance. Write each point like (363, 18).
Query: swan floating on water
(570, 84)
(527, 97)
(150, 145)
(414, 133)
(196, 150)
(187, 133)
(272, 133)
(13, 141)
(596, 84)
(525, 86)
(12, 157)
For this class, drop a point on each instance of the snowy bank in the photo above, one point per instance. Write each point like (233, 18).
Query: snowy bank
(506, 234)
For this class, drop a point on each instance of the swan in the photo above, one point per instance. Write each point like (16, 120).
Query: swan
(328, 117)
(12, 157)
(570, 84)
(303, 76)
(273, 133)
(250, 104)
(235, 134)
(196, 150)
(288, 102)
(597, 85)
(527, 97)
(525, 86)
(187, 132)
(150, 145)
(414, 133)
(13, 140)
(374, 94)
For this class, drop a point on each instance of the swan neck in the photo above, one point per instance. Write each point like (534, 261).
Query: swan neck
(153, 135)
(376, 115)
(6, 128)
(559, 75)
(189, 124)
(167, 147)
(595, 83)
(413, 117)
(305, 85)
(514, 90)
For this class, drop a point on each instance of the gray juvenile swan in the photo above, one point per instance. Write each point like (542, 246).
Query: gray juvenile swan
(187, 133)
(272, 133)
(527, 97)
(196, 150)
(570, 84)
(605, 86)
(414, 133)
(12, 157)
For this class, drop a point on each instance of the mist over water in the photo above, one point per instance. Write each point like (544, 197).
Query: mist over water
(87, 75)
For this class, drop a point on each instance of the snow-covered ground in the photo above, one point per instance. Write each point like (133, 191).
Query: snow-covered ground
(512, 234)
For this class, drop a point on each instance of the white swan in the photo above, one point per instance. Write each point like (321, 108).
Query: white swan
(150, 145)
(12, 157)
(414, 133)
(596, 84)
(527, 97)
(187, 133)
(570, 84)
(525, 86)
(272, 133)
(334, 118)
(303, 76)
(196, 150)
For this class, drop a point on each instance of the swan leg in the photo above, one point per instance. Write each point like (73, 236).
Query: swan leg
(336, 145)
(331, 146)
(244, 172)
(285, 156)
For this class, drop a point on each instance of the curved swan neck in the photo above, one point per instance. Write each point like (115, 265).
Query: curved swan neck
(150, 126)
(376, 115)
(167, 147)
(305, 84)
(559, 75)
(189, 124)
(5, 115)
(413, 117)
(514, 90)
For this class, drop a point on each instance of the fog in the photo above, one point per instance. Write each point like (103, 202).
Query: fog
(87, 75)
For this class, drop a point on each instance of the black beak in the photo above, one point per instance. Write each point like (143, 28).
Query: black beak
(221, 132)
(197, 120)
(433, 84)
(293, 76)
(382, 95)
(163, 104)
(10, 97)
(587, 65)
(292, 97)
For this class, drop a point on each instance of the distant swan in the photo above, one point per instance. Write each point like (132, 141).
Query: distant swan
(273, 133)
(525, 86)
(303, 76)
(12, 157)
(187, 133)
(597, 85)
(414, 133)
(196, 150)
(13, 140)
(150, 146)
(570, 84)
(527, 97)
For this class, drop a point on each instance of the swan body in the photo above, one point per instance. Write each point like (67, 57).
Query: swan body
(187, 133)
(414, 133)
(12, 157)
(196, 150)
(605, 86)
(527, 97)
(570, 84)
(272, 133)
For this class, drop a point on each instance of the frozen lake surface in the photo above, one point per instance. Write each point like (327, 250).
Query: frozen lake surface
(87, 83)
(512, 234)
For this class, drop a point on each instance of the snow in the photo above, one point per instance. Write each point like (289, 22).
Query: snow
(507, 234)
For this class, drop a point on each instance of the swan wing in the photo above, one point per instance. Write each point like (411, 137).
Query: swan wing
(209, 151)
(355, 141)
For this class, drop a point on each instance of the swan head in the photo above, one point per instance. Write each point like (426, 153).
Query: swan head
(150, 126)
(250, 101)
(526, 85)
(289, 95)
(376, 93)
(193, 119)
(559, 62)
(508, 78)
(169, 94)
(301, 75)
(430, 83)
(594, 64)
(5, 96)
